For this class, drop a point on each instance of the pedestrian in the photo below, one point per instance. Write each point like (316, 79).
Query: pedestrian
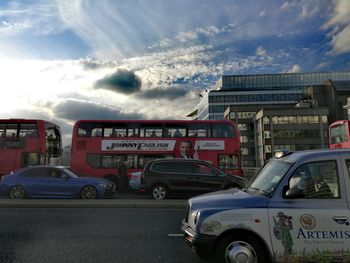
(123, 175)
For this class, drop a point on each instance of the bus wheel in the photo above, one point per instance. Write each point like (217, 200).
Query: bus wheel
(240, 248)
(159, 191)
(88, 192)
(17, 192)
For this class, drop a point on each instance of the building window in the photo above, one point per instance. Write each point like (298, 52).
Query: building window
(245, 151)
(267, 148)
(244, 138)
(324, 119)
(266, 120)
(243, 127)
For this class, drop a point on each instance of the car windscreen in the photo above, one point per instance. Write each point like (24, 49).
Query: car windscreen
(269, 177)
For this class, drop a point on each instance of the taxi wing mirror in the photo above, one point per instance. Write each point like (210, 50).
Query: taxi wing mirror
(294, 192)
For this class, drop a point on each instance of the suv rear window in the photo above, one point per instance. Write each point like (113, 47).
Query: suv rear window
(173, 167)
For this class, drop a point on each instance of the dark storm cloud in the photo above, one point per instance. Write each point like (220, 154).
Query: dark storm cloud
(77, 110)
(122, 81)
(170, 93)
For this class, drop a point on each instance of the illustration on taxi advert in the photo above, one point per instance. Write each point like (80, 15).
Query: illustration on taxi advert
(282, 227)
(303, 242)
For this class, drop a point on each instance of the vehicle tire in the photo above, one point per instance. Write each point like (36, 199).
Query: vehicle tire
(240, 248)
(88, 192)
(159, 191)
(17, 192)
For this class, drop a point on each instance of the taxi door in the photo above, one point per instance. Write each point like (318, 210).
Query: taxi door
(312, 226)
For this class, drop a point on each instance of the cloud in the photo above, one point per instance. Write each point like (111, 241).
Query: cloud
(260, 51)
(262, 13)
(286, 5)
(307, 12)
(340, 27)
(165, 93)
(341, 41)
(122, 81)
(322, 65)
(38, 17)
(295, 69)
(341, 13)
(77, 110)
(89, 64)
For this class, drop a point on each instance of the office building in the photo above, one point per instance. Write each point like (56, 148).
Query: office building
(318, 96)
(295, 129)
(262, 89)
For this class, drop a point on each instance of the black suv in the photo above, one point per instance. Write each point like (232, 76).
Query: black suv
(164, 177)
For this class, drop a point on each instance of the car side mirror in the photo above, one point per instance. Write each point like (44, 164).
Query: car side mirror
(294, 192)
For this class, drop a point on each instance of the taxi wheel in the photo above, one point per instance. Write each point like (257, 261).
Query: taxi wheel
(17, 192)
(241, 248)
(88, 192)
(159, 191)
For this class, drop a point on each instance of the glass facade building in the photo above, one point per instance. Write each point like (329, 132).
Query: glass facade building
(295, 129)
(263, 89)
(241, 97)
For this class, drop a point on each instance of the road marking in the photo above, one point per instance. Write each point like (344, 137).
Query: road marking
(175, 235)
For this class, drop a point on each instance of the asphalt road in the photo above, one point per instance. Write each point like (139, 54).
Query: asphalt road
(92, 235)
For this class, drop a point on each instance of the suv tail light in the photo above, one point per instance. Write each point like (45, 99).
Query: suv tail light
(2, 178)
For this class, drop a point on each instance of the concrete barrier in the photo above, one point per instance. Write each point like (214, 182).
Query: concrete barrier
(98, 203)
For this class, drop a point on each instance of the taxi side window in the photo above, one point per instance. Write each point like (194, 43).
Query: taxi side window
(348, 166)
(316, 180)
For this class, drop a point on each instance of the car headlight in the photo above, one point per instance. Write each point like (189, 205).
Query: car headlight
(195, 216)
(103, 186)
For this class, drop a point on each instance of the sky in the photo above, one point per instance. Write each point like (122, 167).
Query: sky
(66, 60)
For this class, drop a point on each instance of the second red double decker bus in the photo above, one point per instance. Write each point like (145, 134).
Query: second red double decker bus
(26, 142)
(99, 145)
(339, 134)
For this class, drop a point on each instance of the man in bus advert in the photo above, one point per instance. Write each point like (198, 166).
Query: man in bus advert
(185, 150)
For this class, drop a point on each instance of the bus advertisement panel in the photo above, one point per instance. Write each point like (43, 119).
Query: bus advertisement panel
(339, 134)
(100, 146)
(25, 142)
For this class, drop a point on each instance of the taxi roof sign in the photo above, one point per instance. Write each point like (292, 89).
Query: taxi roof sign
(282, 153)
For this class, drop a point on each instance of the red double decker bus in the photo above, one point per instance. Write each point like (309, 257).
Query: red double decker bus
(99, 145)
(339, 134)
(25, 142)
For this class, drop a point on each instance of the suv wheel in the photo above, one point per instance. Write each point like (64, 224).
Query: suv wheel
(159, 191)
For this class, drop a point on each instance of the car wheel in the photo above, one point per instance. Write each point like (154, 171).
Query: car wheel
(88, 192)
(159, 191)
(17, 192)
(240, 248)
